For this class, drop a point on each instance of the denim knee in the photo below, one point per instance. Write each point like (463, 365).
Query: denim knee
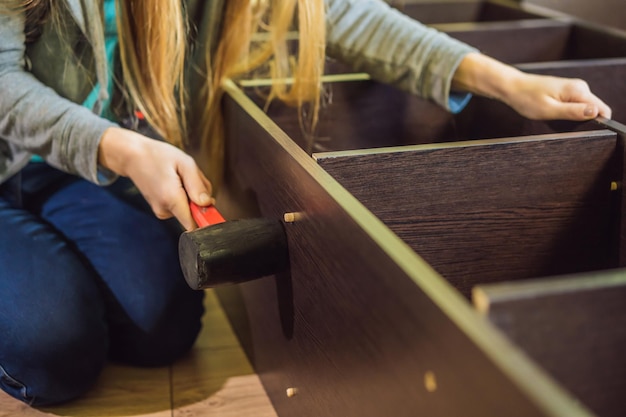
(64, 363)
(171, 337)
(62, 374)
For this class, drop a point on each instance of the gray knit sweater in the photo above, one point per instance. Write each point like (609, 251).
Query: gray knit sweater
(42, 83)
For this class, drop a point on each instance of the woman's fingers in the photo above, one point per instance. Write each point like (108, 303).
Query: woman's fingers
(555, 98)
(166, 176)
(585, 104)
(180, 209)
(197, 189)
(196, 184)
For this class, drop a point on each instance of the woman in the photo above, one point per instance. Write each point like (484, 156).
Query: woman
(89, 272)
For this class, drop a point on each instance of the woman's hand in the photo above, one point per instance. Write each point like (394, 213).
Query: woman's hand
(166, 176)
(534, 96)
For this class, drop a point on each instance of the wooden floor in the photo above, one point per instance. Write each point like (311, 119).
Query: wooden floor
(216, 379)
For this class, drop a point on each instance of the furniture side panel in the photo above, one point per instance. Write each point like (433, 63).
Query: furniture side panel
(349, 328)
(496, 210)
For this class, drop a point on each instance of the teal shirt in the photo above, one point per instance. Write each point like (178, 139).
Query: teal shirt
(110, 42)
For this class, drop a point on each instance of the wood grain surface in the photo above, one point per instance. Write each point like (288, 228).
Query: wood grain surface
(366, 114)
(320, 315)
(602, 12)
(574, 326)
(495, 210)
(361, 326)
(433, 12)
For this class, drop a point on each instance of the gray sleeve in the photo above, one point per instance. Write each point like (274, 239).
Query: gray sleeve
(35, 118)
(372, 37)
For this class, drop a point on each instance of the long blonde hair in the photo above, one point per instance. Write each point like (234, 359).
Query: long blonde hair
(152, 38)
(238, 53)
(153, 62)
(153, 46)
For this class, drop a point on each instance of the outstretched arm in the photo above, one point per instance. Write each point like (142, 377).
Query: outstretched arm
(396, 49)
(533, 96)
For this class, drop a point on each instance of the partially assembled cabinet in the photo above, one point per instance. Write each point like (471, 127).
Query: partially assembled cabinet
(440, 265)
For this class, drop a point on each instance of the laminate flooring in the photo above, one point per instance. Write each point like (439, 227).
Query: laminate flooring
(214, 380)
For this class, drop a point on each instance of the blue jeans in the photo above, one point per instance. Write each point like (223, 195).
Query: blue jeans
(87, 274)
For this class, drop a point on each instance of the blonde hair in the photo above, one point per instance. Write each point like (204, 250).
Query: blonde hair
(153, 35)
(153, 62)
(152, 38)
(238, 53)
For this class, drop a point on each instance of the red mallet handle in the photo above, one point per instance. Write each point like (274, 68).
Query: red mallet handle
(205, 216)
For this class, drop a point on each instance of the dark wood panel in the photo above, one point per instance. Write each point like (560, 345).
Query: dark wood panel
(575, 327)
(530, 41)
(362, 326)
(539, 40)
(496, 210)
(484, 24)
(524, 41)
(592, 43)
(432, 12)
(437, 12)
(601, 12)
(366, 114)
(518, 41)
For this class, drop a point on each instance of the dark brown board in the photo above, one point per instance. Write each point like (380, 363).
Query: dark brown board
(433, 12)
(537, 40)
(515, 41)
(366, 114)
(495, 210)
(361, 326)
(474, 21)
(574, 326)
(602, 12)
